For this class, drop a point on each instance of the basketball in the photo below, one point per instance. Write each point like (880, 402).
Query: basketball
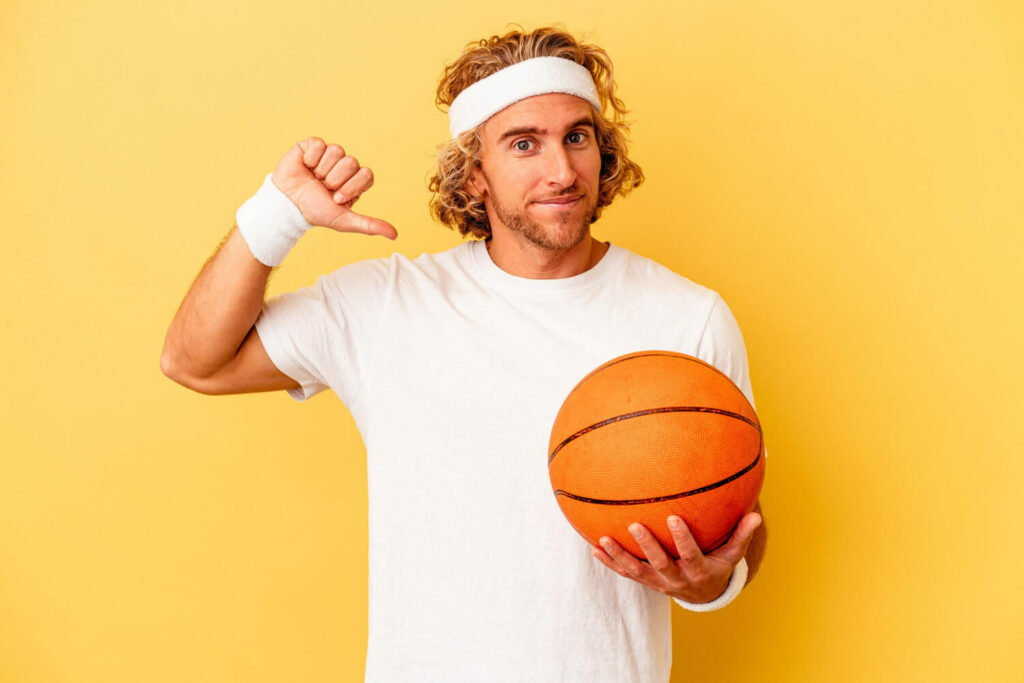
(651, 434)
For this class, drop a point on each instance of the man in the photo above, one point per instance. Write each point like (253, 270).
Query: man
(454, 365)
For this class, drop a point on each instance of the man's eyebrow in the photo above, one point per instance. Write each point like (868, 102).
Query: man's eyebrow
(523, 130)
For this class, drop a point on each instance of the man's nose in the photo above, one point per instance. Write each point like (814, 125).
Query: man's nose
(560, 171)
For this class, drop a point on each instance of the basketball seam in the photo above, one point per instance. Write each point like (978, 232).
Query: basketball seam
(650, 411)
(659, 499)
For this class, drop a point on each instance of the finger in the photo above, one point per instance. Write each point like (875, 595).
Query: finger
(331, 156)
(634, 568)
(690, 554)
(748, 525)
(360, 182)
(342, 171)
(742, 535)
(369, 225)
(312, 149)
(608, 561)
(656, 555)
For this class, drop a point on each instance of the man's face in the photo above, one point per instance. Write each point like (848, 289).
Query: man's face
(539, 170)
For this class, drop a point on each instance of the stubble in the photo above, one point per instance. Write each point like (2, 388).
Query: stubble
(569, 232)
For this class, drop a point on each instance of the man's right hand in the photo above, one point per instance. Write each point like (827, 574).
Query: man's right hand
(324, 183)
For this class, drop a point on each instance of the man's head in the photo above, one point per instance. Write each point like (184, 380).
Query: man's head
(519, 166)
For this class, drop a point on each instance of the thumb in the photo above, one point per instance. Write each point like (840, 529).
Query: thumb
(376, 226)
(741, 537)
(350, 221)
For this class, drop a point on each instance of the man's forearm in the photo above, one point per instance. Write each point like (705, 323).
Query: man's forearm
(218, 311)
(757, 546)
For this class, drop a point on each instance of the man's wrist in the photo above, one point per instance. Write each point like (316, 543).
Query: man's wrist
(736, 583)
(270, 223)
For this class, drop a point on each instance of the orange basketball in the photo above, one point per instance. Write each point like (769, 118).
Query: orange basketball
(651, 434)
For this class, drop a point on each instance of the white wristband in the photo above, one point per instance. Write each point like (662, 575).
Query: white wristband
(270, 223)
(736, 583)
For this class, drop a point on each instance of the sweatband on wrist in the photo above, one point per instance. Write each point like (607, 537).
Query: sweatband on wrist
(536, 76)
(736, 583)
(270, 223)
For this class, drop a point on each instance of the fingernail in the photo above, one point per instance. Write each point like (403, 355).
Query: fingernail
(338, 197)
(635, 530)
(674, 522)
(606, 544)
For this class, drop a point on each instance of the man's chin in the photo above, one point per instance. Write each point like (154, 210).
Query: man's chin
(559, 238)
(555, 232)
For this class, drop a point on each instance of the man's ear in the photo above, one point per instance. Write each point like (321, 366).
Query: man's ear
(476, 184)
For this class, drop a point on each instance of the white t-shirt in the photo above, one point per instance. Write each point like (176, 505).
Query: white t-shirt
(453, 370)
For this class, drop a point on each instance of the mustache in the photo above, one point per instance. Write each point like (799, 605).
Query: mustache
(571, 192)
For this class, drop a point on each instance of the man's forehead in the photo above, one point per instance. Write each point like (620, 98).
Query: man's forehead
(547, 113)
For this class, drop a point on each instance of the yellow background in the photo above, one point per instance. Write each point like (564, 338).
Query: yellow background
(847, 175)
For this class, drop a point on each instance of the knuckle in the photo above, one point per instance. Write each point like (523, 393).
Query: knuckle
(661, 564)
(351, 187)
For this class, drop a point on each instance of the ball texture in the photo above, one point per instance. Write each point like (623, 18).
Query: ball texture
(652, 434)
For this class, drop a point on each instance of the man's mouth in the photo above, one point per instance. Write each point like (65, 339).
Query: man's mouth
(562, 201)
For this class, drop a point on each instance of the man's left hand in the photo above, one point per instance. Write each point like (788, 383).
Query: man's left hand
(694, 577)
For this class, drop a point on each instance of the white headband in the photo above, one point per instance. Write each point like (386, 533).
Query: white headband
(535, 76)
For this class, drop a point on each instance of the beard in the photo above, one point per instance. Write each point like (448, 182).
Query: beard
(568, 232)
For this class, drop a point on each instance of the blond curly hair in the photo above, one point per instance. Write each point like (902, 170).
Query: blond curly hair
(453, 203)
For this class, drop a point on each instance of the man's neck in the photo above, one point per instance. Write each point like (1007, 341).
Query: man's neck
(526, 259)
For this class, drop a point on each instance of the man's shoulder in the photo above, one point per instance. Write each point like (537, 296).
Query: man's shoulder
(650, 273)
(398, 266)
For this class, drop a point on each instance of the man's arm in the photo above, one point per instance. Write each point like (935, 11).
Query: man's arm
(217, 313)
(211, 345)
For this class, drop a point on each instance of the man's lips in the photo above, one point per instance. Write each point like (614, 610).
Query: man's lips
(561, 201)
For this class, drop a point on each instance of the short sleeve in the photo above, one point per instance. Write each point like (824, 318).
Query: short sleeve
(320, 335)
(721, 344)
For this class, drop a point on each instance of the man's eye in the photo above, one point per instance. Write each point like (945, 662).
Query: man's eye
(578, 136)
(520, 145)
